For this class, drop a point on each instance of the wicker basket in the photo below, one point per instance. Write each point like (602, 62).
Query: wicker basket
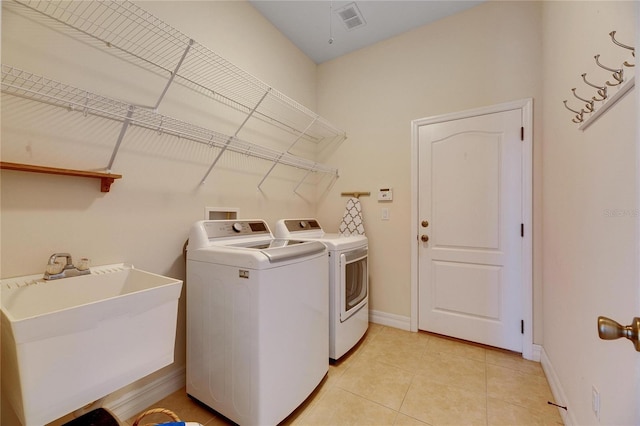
(169, 413)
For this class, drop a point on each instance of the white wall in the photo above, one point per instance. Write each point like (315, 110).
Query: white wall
(145, 218)
(487, 55)
(589, 212)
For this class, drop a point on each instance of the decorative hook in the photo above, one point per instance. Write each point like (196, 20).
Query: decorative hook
(602, 90)
(616, 42)
(579, 114)
(589, 103)
(617, 73)
(613, 39)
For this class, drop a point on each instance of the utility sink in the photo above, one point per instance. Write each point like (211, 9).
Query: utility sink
(69, 342)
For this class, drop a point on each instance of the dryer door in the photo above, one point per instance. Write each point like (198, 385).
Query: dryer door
(354, 282)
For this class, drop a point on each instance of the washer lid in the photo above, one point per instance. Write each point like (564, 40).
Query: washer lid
(278, 250)
(296, 250)
(258, 255)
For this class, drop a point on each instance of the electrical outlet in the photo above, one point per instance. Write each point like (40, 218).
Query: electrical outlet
(595, 402)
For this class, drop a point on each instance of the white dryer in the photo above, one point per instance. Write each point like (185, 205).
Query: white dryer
(257, 320)
(348, 281)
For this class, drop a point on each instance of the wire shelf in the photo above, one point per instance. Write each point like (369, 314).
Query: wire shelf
(143, 37)
(28, 85)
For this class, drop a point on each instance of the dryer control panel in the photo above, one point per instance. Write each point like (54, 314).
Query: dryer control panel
(294, 225)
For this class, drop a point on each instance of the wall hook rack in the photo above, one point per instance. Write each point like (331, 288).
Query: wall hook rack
(620, 85)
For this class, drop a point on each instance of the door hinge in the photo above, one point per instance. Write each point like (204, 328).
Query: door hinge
(522, 229)
(521, 326)
(521, 133)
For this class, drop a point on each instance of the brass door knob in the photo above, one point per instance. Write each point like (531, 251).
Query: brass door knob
(609, 329)
(424, 223)
(424, 238)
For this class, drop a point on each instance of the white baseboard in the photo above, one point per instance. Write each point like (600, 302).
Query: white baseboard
(537, 351)
(391, 320)
(556, 389)
(137, 400)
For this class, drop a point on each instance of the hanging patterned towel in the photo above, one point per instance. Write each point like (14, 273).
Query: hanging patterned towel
(352, 223)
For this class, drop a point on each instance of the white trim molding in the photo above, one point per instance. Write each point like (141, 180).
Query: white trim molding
(137, 400)
(392, 320)
(537, 353)
(556, 389)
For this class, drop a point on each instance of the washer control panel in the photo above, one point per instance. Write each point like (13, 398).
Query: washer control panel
(234, 228)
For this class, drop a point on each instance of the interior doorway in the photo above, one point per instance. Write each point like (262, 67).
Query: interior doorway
(472, 227)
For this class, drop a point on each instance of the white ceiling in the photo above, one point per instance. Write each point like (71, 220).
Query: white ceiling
(307, 24)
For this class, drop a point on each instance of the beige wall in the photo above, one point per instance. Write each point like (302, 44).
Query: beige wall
(590, 212)
(487, 55)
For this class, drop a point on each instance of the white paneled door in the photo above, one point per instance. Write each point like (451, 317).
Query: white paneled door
(470, 227)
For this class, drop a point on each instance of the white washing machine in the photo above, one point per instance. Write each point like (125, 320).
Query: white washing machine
(348, 281)
(257, 320)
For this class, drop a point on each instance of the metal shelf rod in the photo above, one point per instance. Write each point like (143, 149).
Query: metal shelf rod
(143, 37)
(20, 83)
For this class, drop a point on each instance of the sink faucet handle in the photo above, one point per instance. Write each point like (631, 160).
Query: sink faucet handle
(52, 259)
(57, 270)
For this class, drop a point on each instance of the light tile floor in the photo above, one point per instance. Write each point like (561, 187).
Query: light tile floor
(394, 377)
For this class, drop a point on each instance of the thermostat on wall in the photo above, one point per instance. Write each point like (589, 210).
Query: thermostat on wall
(385, 194)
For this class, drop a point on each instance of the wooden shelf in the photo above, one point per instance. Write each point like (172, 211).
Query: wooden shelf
(106, 179)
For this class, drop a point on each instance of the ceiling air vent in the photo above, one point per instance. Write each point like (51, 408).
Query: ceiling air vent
(351, 16)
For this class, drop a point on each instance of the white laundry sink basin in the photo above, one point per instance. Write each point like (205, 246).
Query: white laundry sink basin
(71, 341)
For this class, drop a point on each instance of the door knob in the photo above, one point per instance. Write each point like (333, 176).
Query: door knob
(424, 223)
(424, 238)
(608, 329)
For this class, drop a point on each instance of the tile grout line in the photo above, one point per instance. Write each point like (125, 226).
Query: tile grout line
(486, 388)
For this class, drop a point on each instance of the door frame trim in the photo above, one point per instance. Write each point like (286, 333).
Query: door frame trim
(526, 108)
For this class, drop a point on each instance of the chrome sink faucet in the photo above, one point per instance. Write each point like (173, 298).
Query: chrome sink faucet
(56, 270)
